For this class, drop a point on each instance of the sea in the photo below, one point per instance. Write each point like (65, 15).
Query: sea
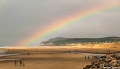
(2, 54)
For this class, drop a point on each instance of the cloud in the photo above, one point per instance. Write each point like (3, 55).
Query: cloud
(2, 3)
(21, 18)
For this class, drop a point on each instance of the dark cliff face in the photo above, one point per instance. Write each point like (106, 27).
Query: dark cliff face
(62, 41)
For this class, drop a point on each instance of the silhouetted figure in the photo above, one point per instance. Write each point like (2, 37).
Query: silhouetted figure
(23, 65)
(15, 63)
(85, 57)
(20, 63)
(88, 57)
(28, 53)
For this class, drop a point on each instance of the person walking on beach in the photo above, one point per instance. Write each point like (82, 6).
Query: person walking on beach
(23, 64)
(15, 63)
(85, 57)
(88, 57)
(20, 63)
(28, 53)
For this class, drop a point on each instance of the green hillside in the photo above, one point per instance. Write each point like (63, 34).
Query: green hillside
(62, 40)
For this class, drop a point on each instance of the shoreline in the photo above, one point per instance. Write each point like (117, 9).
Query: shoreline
(51, 57)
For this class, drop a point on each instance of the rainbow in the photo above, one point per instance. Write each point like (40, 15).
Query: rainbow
(59, 24)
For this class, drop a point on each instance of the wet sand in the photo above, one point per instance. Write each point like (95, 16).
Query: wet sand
(49, 58)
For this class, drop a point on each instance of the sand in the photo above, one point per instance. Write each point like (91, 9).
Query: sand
(49, 57)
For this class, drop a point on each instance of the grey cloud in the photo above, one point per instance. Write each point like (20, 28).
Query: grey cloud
(20, 19)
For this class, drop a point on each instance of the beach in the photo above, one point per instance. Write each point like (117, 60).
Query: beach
(50, 57)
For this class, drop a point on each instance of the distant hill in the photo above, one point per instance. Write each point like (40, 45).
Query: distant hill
(57, 39)
(62, 40)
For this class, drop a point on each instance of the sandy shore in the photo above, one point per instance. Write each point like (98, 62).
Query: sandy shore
(49, 57)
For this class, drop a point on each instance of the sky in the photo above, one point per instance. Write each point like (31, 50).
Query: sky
(21, 18)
